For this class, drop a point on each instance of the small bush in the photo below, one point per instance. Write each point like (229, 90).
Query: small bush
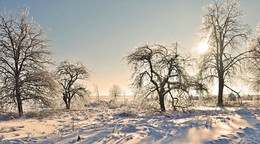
(232, 97)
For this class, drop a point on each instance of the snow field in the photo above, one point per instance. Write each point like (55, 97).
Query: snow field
(103, 123)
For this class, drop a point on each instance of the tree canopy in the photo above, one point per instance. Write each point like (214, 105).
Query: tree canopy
(68, 75)
(23, 57)
(159, 71)
(226, 35)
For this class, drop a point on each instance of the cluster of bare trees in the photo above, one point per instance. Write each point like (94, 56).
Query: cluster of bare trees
(24, 57)
(159, 70)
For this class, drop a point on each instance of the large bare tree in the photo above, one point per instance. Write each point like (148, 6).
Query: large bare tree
(23, 56)
(159, 71)
(68, 75)
(254, 62)
(226, 34)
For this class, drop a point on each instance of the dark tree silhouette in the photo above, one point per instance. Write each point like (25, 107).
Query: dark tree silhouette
(68, 75)
(23, 56)
(159, 70)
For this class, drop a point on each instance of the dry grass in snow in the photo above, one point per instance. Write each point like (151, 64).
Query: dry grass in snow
(106, 123)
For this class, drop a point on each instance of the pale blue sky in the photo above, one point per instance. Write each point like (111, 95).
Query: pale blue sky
(101, 32)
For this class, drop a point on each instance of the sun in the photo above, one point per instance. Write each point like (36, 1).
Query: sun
(203, 47)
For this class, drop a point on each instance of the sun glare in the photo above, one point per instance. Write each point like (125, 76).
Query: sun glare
(203, 47)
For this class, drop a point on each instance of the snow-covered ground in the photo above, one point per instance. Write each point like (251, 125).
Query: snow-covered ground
(103, 123)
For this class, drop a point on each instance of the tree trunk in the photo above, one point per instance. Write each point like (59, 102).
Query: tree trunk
(66, 100)
(220, 76)
(220, 91)
(161, 100)
(68, 105)
(19, 104)
(18, 97)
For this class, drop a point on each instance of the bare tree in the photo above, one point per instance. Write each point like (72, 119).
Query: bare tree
(159, 71)
(225, 32)
(68, 75)
(23, 57)
(97, 93)
(254, 66)
(115, 91)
